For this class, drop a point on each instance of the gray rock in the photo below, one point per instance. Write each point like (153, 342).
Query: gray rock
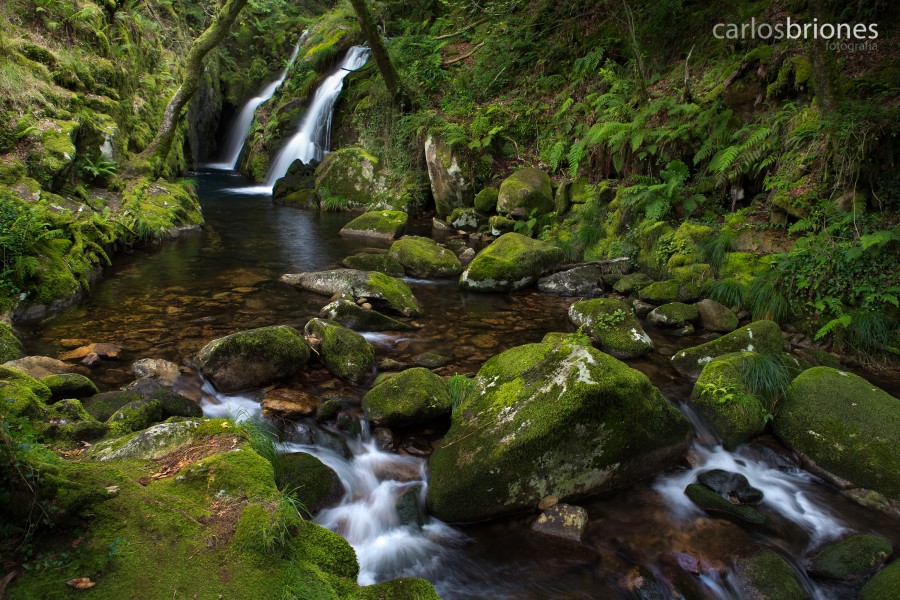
(716, 317)
(358, 284)
(39, 366)
(149, 444)
(351, 315)
(563, 521)
(449, 185)
(583, 281)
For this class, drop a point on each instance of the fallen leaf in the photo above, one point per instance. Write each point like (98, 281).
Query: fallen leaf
(81, 583)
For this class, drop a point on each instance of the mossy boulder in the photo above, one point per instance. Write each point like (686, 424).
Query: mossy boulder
(254, 358)
(767, 576)
(10, 346)
(385, 224)
(585, 281)
(612, 325)
(69, 385)
(22, 395)
(543, 419)
(103, 405)
(467, 219)
(67, 420)
(393, 292)
(499, 225)
(352, 315)
(511, 262)
(174, 404)
(239, 473)
(726, 402)
(713, 503)
(411, 397)
(372, 261)
(486, 200)
(674, 314)
(687, 241)
(422, 257)
(135, 416)
(761, 336)
(883, 585)
(149, 444)
(671, 290)
(308, 480)
(525, 193)
(349, 176)
(345, 353)
(851, 558)
(846, 425)
(449, 186)
(559, 337)
(631, 283)
(716, 317)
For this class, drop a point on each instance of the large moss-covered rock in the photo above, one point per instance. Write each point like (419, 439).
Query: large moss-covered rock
(103, 405)
(345, 353)
(10, 346)
(761, 336)
(350, 177)
(467, 219)
(631, 283)
(67, 420)
(69, 385)
(135, 416)
(524, 193)
(352, 315)
(449, 186)
(511, 262)
(486, 200)
(674, 314)
(374, 261)
(716, 317)
(358, 284)
(253, 358)
(851, 558)
(884, 585)
(687, 241)
(412, 397)
(543, 419)
(498, 224)
(767, 576)
(586, 281)
(612, 325)
(671, 290)
(846, 425)
(308, 480)
(149, 444)
(722, 397)
(22, 395)
(386, 224)
(422, 257)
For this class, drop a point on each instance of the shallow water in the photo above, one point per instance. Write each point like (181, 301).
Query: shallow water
(170, 301)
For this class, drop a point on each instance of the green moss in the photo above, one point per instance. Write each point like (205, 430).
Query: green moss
(631, 283)
(102, 406)
(211, 427)
(511, 262)
(370, 261)
(695, 273)
(884, 585)
(500, 225)
(328, 410)
(467, 219)
(155, 208)
(395, 292)
(422, 257)
(326, 550)
(525, 193)
(383, 224)
(558, 337)
(671, 290)
(712, 502)
(851, 558)
(349, 176)
(846, 425)
(412, 397)
(70, 385)
(674, 314)
(768, 576)
(486, 200)
(399, 589)
(742, 267)
(612, 325)
(761, 336)
(241, 473)
(727, 404)
(685, 244)
(11, 170)
(345, 353)
(305, 478)
(543, 419)
(22, 395)
(69, 421)
(135, 416)
(10, 346)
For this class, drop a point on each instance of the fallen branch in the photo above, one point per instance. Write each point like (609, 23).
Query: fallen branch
(447, 36)
(463, 57)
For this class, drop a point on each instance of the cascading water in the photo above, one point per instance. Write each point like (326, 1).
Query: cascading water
(241, 126)
(313, 136)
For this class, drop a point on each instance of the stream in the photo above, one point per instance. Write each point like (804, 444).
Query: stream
(644, 542)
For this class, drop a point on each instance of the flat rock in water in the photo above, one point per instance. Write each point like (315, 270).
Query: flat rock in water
(290, 404)
(108, 351)
(581, 281)
(358, 284)
(39, 366)
(562, 521)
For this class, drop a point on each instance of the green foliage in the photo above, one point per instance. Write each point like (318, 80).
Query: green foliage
(459, 386)
(658, 197)
(24, 232)
(536, 224)
(767, 376)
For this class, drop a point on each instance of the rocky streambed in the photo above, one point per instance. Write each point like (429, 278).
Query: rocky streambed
(564, 420)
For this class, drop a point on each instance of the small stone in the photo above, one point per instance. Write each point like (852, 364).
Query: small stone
(112, 490)
(548, 502)
(91, 359)
(562, 521)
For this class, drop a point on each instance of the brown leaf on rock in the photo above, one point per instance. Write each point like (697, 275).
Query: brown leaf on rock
(81, 583)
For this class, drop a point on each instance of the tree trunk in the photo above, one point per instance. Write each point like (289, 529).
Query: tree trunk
(826, 77)
(154, 155)
(391, 79)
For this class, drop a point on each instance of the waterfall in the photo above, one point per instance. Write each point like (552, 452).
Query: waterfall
(241, 126)
(313, 136)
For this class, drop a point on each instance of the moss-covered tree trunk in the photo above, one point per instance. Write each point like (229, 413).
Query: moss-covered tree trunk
(154, 156)
(382, 59)
(826, 76)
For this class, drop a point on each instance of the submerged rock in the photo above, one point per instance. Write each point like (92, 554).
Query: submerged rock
(563, 521)
(712, 502)
(851, 558)
(358, 284)
(846, 425)
(352, 315)
(422, 257)
(511, 262)
(412, 397)
(525, 193)
(253, 358)
(580, 281)
(612, 325)
(541, 420)
(386, 224)
(345, 353)
(289, 404)
(767, 576)
(761, 336)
